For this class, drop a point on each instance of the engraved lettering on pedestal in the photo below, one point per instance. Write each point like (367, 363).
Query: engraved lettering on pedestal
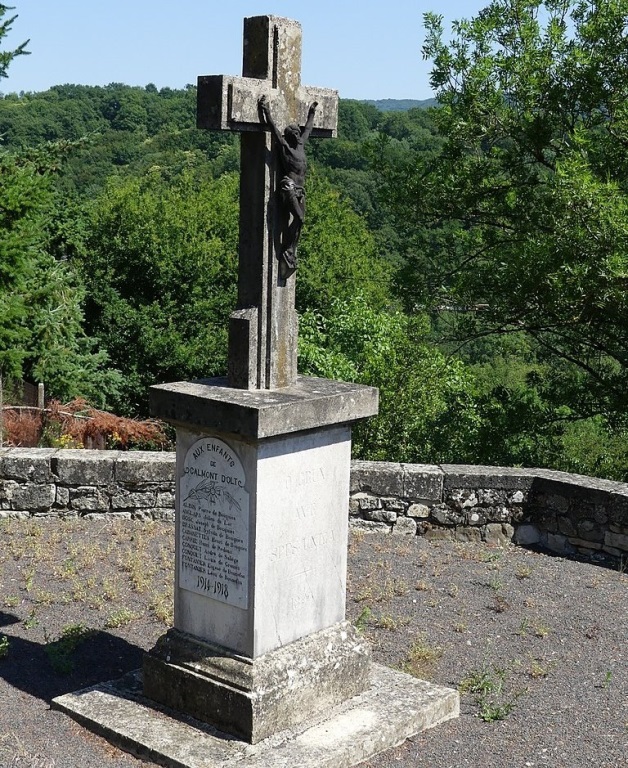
(214, 523)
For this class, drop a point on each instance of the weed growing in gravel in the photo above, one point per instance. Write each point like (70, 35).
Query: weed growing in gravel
(487, 688)
(523, 572)
(31, 620)
(162, 607)
(538, 669)
(500, 604)
(11, 601)
(120, 618)
(29, 578)
(387, 622)
(421, 658)
(363, 619)
(495, 583)
(60, 651)
(4, 646)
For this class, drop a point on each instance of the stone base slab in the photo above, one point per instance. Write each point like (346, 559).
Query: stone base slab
(395, 707)
(253, 699)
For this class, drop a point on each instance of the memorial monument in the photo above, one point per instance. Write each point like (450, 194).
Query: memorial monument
(260, 644)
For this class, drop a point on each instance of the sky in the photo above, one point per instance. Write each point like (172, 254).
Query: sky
(366, 49)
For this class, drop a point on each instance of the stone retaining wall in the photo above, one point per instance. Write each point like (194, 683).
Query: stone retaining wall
(566, 513)
(44, 482)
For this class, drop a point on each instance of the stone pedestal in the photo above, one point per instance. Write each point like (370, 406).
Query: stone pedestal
(259, 641)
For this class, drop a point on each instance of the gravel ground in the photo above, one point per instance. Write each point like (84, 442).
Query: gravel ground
(537, 644)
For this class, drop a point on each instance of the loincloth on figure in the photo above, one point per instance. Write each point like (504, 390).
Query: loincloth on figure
(291, 192)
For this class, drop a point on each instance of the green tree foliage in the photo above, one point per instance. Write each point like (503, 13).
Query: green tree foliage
(41, 333)
(123, 130)
(337, 253)
(41, 315)
(159, 263)
(519, 223)
(532, 181)
(427, 411)
(6, 57)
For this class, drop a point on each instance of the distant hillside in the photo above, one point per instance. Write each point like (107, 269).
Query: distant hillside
(400, 105)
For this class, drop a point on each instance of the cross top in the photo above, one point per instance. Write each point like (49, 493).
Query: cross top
(271, 67)
(263, 329)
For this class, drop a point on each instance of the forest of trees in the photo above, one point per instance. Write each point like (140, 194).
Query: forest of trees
(470, 259)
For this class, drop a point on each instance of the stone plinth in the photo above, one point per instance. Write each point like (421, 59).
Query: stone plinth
(254, 699)
(262, 486)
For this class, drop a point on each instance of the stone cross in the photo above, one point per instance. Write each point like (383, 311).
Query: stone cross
(263, 329)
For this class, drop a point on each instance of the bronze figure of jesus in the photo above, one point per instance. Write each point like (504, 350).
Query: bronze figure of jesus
(292, 185)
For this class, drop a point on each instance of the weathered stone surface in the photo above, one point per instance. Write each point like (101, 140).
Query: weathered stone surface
(395, 707)
(165, 499)
(544, 518)
(475, 517)
(133, 500)
(136, 467)
(616, 540)
(422, 482)
(89, 499)
(31, 464)
(254, 699)
(590, 531)
(584, 544)
(366, 502)
(74, 467)
(120, 515)
(471, 476)
(369, 526)
(499, 534)
(447, 516)
(394, 504)
(462, 498)
(418, 510)
(379, 515)
(467, 534)
(377, 477)
(37, 497)
(557, 543)
(13, 514)
(498, 514)
(405, 526)
(62, 497)
(618, 509)
(439, 534)
(7, 488)
(527, 535)
(567, 526)
(211, 405)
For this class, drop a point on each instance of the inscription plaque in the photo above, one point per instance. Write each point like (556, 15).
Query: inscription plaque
(214, 523)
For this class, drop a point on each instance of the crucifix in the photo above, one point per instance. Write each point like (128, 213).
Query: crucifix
(267, 98)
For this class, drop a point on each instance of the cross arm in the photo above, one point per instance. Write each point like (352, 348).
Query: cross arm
(231, 103)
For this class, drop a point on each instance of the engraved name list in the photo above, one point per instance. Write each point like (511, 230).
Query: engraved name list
(214, 523)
